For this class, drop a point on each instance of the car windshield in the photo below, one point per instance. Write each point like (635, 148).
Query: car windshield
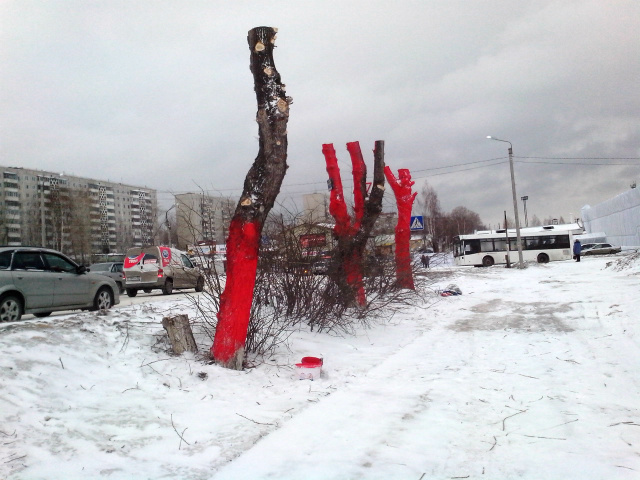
(100, 267)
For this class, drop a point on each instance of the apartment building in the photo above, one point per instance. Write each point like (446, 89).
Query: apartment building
(316, 207)
(80, 216)
(202, 218)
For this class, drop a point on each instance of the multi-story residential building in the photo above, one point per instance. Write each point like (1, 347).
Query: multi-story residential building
(78, 215)
(202, 218)
(316, 207)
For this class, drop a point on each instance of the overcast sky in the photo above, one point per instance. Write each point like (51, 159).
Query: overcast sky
(159, 93)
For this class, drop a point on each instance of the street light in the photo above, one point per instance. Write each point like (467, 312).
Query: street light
(524, 201)
(515, 201)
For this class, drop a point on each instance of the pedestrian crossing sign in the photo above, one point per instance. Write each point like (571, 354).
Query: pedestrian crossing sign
(417, 223)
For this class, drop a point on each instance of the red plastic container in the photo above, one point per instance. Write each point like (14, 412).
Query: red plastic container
(309, 368)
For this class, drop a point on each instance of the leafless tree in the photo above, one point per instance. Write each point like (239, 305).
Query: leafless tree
(535, 221)
(459, 221)
(429, 204)
(79, 229)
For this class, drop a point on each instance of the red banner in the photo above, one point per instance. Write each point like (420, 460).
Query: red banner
(313, 240)
(165, 252)
(131, 261)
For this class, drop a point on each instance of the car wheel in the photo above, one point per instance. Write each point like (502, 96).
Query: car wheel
(10, 309)
(543, 258)
(487, 261)
(42, 314)
(167, 288)
(200, 285)
(132, 292)
(103, 299)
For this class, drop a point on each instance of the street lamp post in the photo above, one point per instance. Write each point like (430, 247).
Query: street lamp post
(515, 201)
(524, 201)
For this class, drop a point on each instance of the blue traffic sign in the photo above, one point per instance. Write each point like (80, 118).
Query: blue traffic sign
(417, 223)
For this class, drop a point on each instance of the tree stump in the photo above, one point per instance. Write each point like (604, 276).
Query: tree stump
(180, 334)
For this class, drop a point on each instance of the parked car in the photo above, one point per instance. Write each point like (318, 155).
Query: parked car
(40, 281)
(114, 270)
(321, 267)
(159, 267)
(600, 249)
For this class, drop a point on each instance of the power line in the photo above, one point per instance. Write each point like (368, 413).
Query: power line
(502, 160)
(581, 158)
(575, 163)
(462, 164)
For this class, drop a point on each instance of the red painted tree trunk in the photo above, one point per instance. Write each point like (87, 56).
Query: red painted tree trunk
(261, 187)
(352, 233)
(404, 200)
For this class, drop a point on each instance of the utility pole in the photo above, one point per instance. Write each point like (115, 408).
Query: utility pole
(515, 201)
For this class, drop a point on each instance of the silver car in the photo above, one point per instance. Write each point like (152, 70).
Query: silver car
(160, 267)
(600, 249)
(41, 281)
(114, 270)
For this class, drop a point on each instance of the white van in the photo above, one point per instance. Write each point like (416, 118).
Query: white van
(160, 267)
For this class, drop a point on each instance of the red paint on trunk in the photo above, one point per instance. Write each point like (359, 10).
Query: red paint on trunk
(353, 268)
(359, 172)
(235, 301)
(337, 205)
(404, 200)
(346, 228)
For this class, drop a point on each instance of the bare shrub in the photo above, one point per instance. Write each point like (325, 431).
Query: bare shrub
(290, 294)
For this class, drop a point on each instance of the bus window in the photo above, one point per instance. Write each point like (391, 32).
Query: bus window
(500, 245)
(532, 243)
(562, 241)
(548, 242)
(471, 246)
(486, 245)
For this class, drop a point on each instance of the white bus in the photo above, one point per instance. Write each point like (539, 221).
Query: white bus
(539, 244)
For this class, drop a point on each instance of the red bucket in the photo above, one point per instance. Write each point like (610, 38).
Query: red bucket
(309, 368)
(312, 360)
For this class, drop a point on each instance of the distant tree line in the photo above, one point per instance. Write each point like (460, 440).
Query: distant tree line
(440, 227)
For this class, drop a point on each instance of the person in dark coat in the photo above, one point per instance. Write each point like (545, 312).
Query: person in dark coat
(577, 249)
(425, 261)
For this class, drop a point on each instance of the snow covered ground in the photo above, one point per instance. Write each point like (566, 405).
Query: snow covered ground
(530, 374)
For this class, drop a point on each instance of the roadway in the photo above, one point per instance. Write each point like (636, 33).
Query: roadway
(125, 301)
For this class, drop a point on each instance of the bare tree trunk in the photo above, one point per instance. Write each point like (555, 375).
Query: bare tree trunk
(261, 187)
(404, 200)
(352, 234)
